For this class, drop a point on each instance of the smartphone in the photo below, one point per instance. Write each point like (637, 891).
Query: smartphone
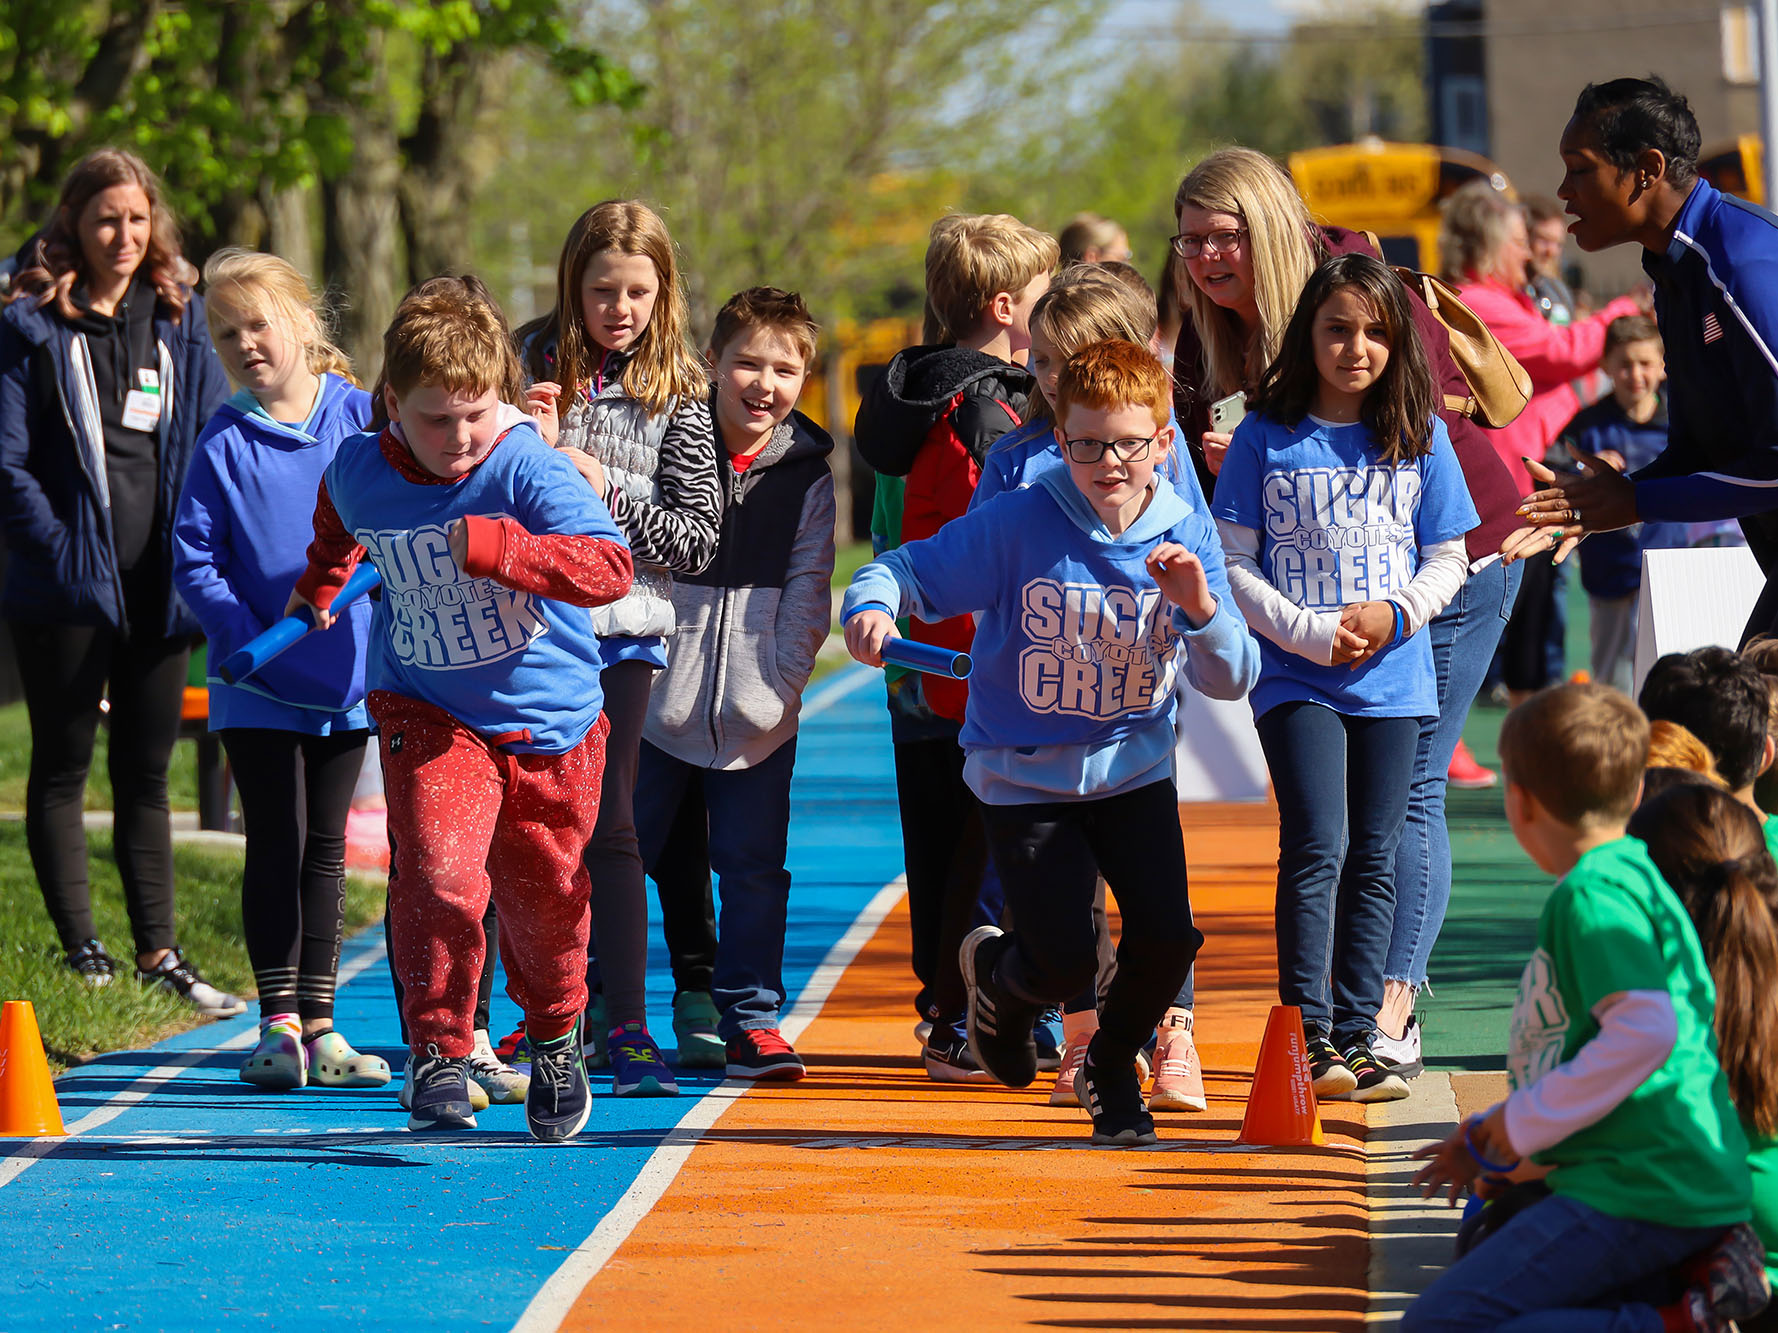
(1226, 413)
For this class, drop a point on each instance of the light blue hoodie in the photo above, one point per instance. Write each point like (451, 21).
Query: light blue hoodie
(240, 541)
(1076, 650)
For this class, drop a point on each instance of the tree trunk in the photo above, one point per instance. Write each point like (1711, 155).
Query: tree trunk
(361, 225)
(447, 158)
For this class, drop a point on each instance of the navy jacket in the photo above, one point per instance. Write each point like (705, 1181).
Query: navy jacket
(1716, 298)
(54, 500)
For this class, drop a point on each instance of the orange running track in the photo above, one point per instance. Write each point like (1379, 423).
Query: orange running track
(868, 1196)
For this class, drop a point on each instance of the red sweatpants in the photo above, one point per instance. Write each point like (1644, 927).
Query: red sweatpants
(467, 819)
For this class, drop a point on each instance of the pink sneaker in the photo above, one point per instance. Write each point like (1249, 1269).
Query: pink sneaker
(1178, 1077)
(1466, 773)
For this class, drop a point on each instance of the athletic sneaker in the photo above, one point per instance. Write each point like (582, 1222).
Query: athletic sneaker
(440, 1099)
(999, 1024)
(178, 977)
(1074, 1055)
(558, 1101)
(278, 1062)
(694, 1029)
(334, 1064)
(762, 1054)
(96, 967)
(494, 1076)
(1467, 772)
(1374, 1083)
(1178, 1077)
(1724, 1283)
(593, 1029)
(478, 1095)
(951, 1062)
(513, 1048)
(1112, 1095)
(637, 1067)
(923, 1031)
(1047, 1033)
(1400, 1055)
(1328, 1069)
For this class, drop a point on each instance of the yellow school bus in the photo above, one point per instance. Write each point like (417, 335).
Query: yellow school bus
(1392, 189)
(850, 357)
(1737, 167)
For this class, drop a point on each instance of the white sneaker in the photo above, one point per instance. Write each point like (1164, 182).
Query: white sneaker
(503, 1084)
(478, 1095)
(178, 977)
(1400, 1055)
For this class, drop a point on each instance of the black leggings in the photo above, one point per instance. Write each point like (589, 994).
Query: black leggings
(1050, 856)
(1525, 652)
(65, 670)
(617, 945)
(296, 792)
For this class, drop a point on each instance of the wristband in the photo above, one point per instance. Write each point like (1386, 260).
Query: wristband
(1469, 1143)
(1401, 621)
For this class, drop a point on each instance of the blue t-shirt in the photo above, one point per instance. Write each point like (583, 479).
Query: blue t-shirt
(1337, 525)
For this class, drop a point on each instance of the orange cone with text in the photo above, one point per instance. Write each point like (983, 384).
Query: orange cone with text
(1281, 1108)
(28, 1106)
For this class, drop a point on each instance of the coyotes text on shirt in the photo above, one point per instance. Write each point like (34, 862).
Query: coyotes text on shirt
(1341, 534)
(440, 618)
(1095, 652)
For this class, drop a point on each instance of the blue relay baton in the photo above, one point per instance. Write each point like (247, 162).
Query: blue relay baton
(262, 648)
(927, 657)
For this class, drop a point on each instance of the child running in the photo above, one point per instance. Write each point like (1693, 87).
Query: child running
(1085, 304)
(720, 743)
(1342, 510)
(296, 731)
(638, 428)
(1618, 1100)
(1069, 729)
(484, 683)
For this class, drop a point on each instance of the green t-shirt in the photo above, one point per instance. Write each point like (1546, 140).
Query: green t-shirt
(1673, 1151)
(1770, 825)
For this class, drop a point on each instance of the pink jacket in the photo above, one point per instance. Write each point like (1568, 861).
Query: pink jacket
(1552, 354)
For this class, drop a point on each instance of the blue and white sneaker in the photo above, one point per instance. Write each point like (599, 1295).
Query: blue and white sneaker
(1047, 1033)
(637, 1066)
(558, 1101)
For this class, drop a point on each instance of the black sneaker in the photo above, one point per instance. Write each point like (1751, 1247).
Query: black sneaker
(949, 1061)
(559, 1102)
(96, 967)
(1328, 1069)
(1112, 1094)
(174, 974)
(440, 1100)
(1374, 1082)
(999, 1025)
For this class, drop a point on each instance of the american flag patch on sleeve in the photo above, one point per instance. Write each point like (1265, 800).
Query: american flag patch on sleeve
(1712, 328)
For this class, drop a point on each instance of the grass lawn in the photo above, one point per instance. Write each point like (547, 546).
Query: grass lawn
(15, 765)
(78, 1021)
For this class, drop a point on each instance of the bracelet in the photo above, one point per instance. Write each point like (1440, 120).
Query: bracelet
(1479, 1160)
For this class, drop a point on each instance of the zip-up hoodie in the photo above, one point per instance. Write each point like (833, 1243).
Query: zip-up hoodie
(239, 546)
(925, 425)
(751, 624)
(1076, 649)
(55, 499)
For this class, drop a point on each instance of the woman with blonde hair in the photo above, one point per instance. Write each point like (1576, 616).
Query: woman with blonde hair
(1245, 248)
(106, 376)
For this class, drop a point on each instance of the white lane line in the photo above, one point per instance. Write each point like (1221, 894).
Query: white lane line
(12, 1167)
(557, 1296)
(850, 681)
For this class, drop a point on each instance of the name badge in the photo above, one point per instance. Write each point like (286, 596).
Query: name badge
(148, 380)
(141, 410)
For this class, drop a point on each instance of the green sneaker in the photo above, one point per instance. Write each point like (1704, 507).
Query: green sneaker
(694, 1025)
(593, 1034)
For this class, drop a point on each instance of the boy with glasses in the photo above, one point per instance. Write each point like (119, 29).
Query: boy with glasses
(1089, 583)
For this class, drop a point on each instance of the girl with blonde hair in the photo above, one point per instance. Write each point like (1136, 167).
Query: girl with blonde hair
(295, 731)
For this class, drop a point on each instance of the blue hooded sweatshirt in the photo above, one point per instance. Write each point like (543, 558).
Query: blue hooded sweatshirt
(1076, 650)
(240, 539)
(1018, 457)
(517, 668)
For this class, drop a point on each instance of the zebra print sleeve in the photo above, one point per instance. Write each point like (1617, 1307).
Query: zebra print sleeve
(680, 533)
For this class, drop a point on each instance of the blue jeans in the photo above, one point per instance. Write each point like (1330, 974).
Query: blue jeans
(1342, 786)
(1557, 1267)
(1464, 636)
(749, 813)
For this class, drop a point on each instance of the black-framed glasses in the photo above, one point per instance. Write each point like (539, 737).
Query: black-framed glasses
(1132, 450)
(1189, 246)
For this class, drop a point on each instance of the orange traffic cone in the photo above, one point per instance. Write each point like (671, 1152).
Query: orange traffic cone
(27, 1093)
(1281, 1109)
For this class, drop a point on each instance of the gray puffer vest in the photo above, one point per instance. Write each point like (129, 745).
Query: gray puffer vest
(618, 431)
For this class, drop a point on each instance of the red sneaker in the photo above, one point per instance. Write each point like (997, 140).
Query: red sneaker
(513, 1046)
(1466, 773)
(763, 1054)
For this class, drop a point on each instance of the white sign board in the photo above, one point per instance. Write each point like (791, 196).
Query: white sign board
(1693, 598)
(1217, 757)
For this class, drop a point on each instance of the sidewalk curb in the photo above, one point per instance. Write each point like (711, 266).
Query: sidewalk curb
(1411, 1238)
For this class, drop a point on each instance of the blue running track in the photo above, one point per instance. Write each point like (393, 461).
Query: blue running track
(199, 1203)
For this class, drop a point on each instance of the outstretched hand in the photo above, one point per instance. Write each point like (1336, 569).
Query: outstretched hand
(1567, 509)
(866, 633)
(1180, 576)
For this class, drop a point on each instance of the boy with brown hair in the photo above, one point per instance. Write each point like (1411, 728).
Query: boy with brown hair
(1618, 1101)
(1097, 585)
(484, 683)
(925, 425)
(720, 741)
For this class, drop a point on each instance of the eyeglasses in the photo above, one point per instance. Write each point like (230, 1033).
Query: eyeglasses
(1187, 246)
(1132, 450)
